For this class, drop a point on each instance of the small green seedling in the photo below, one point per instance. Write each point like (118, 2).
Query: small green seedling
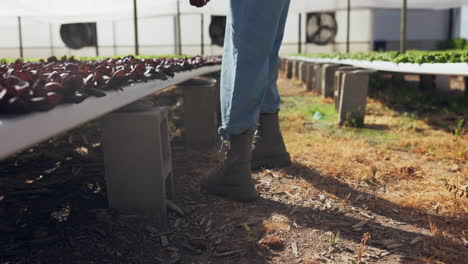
(333, 239)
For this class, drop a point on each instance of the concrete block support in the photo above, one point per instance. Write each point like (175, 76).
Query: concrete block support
(338, 84)
(282, 64)
(398, 80)
(353, 99)
(217, 76)
(466, 86)
(137, 160)
(296, 69)
(289, 69)
(200, 113)
(427, 82)
(442, 83)
(328, 79)
(317, 85)
(303, 71)
(310, 76)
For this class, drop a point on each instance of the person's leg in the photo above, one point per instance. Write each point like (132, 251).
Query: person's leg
(271, 99)
(251, 33)
(270, 151)
(251, 37)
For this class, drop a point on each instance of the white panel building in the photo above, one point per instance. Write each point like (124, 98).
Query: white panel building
(370, 29)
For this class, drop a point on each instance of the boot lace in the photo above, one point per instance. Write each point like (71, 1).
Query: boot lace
(256, 139)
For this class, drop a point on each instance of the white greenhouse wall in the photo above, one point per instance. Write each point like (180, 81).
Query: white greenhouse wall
(464, 22)
(422, 25)
(426, 28)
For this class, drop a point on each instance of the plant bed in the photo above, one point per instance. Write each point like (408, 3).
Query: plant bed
(30, 86)
(412, 56)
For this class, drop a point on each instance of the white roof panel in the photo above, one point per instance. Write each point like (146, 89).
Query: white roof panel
(67, 11)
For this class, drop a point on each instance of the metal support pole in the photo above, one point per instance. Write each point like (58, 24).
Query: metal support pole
(202, 34)
(404, 10)
(135, 23)
(176, 41)
(51, 40)
(466, 86)
(348, 29)
(178, 33)
(97, 43)
(20, 34)
(450, 29)
(114, 38)
(300, 34)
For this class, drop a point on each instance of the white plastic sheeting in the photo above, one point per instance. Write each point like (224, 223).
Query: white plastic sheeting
(329, 5)
(66, 11)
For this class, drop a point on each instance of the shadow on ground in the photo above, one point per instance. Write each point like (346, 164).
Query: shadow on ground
(393, 228)
(439, 109)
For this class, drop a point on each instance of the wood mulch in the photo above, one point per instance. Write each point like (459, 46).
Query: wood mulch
(53, 209)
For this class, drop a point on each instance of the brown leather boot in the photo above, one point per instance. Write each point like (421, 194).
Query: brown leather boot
(270, 151)
(232, 179)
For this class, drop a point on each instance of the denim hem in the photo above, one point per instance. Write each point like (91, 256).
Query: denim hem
(226, 135)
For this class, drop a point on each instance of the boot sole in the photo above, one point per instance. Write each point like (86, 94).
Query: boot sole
(239, 196)
(272, 162)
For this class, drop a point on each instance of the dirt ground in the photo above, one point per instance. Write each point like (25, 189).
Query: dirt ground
(386, 193)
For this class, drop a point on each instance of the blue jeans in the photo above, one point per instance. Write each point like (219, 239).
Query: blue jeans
(254, 32)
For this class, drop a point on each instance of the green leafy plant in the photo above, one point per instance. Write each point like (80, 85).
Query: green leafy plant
(412, 56)
(456, 43)
(333, 239)
(250, 235)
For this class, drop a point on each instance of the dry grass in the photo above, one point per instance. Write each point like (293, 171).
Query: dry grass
(408, 164)
(273, 242)
(276, 223)
(361, 251)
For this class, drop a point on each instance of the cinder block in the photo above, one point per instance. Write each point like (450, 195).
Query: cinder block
(200, 113)
(466, 87)
(317, 85)
(310, 76)
(328, 79)
(137, 160)
(398, 80)
(282, 65)
(442, 83)
(353, 99)
(289, 69)
(303, 71)
(427, 82)
(296, 69)
(217, 77)
(338, 84)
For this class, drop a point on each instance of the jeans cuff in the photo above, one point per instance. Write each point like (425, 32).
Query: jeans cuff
(269, 110)
(226, 135)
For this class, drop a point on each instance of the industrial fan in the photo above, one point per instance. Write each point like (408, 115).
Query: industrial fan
(217, 30)
(79, 35)
(321, 28)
